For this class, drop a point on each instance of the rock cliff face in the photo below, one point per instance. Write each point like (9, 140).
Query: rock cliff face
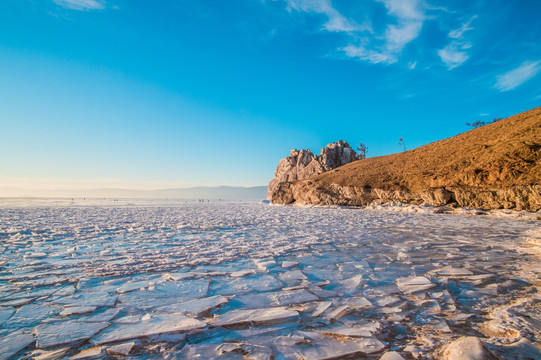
(303, 164)
(492, 167)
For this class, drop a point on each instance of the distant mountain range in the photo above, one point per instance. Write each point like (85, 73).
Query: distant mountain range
(201, 192)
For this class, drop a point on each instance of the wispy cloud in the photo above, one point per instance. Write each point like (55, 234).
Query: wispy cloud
(455, 54)
(81, 4)
(336, 21)
(458, 33)
(518, 76)
(409, 17)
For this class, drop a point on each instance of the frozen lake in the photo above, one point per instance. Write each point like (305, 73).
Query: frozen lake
(249, 280)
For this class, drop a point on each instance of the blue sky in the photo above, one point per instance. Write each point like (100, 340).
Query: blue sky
(155, 94)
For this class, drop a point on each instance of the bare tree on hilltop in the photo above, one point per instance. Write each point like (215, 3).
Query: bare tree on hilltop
(362, 148)
(479, 123)
(402, 143)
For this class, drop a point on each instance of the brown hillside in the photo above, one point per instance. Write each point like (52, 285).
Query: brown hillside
(496, 157)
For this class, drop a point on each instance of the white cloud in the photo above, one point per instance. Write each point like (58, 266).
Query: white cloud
(454, 54)
(336, 21)
(373, 56)
(458, 33)
(409, 17)
(518, 76)
(81, 4)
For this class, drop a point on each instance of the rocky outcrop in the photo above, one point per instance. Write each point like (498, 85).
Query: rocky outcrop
(497, 166)
(303, 164)
(308, 192)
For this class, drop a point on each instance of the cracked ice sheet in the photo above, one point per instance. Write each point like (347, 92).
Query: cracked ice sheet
(14, 342)
(159, 324)
(66, 332)
(252, 252)
(255, 315)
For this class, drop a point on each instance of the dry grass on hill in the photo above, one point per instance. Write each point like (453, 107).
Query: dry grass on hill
(496, 156)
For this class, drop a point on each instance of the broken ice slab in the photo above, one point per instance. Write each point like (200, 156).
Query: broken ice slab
(77, 310)
(158, 324)
(278, 298)
(413, 284)
(322, 348)
(322, 293)
(178, 276)
(260, 330)
(249, 284)
(165, 294)
(289, 264)
(34, 293)
(358, 302)
(194, 307)
(322, 274)
(372, 326)
(5, 313)
(100, 316)
(89, 353)
(49, 355)
(451, 271)
(120, 349)
(189, 289)
(17, 302)
(255, 316)
(14, 342)
(97, 299)
(338, 312)
(341, 330)
(30, 315)
(65, 332)
(242, 273)
(135, 285)
(213, 351)
(264, 264)
(321, 307)
(388, 300)
(292, 277)
(391, 355)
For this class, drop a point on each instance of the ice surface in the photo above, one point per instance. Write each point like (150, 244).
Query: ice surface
(278, 298)
(5, 313)
(89, 353)
(249, 284)
(255, 315)
(155, 325)
(50, 355)
(234, 281)
(194, 307)
(65, 332)
(77, 310)
(12, 343)
(121, 349)
(31, 314)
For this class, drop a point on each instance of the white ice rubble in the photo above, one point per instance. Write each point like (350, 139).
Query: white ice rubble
(237, 280)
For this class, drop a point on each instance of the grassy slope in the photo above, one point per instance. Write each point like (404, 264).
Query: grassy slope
(495, 156)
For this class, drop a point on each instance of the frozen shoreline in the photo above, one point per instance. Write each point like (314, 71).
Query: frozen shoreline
(222, 280)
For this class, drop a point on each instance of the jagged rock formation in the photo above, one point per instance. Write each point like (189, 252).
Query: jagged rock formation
(303, 164)
(492, 167)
